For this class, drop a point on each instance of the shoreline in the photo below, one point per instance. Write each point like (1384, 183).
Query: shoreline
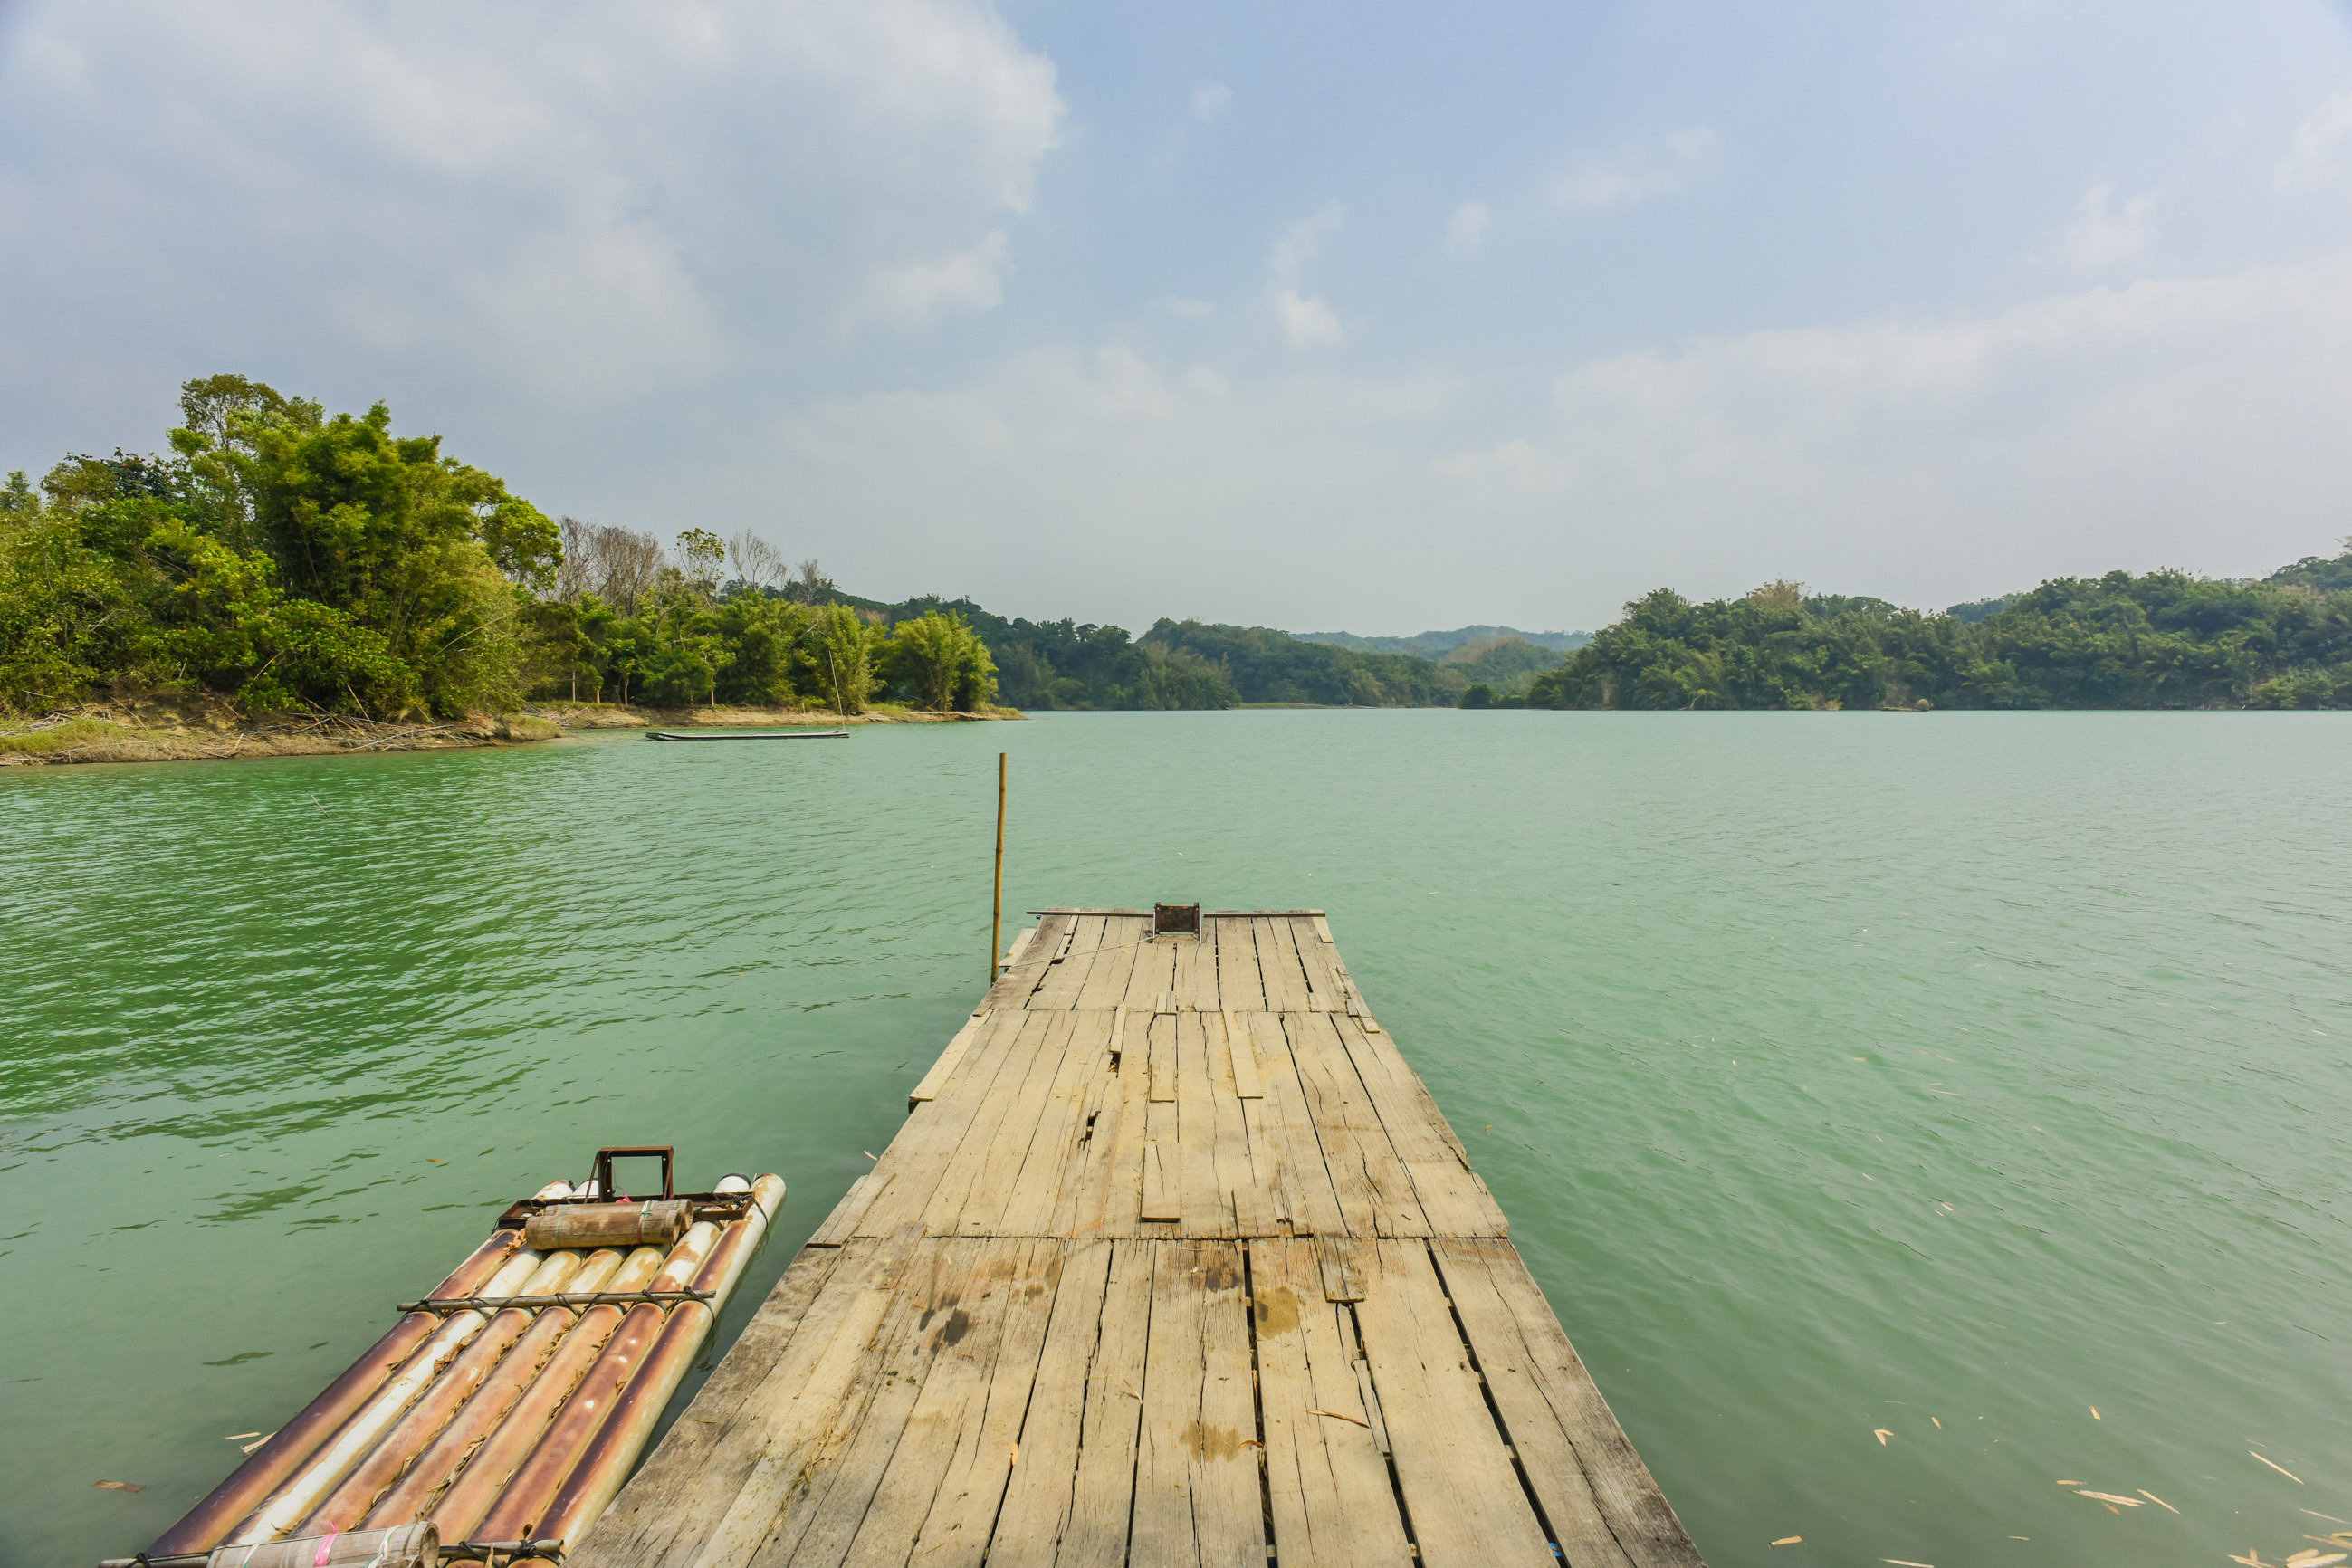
(176, 728)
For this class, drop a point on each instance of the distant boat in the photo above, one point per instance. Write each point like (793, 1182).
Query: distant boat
(747, 735)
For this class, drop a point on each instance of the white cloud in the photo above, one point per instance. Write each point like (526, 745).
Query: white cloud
(2188, 422)
(2105, 235)
(1637, 174)
(1211, 100)
(2322, 148)
(529, 207)
(2184, 422)
(971, 279)
(1308, 321)
(1465, 231)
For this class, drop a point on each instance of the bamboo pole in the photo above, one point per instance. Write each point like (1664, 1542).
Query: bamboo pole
(996, 909)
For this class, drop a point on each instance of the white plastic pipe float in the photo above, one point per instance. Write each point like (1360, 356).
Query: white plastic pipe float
(417, 1490)
(479, 1483)
(606, 1464)
(290, 1504)
(540, 1476)
(349, 1503)
(202, 1528)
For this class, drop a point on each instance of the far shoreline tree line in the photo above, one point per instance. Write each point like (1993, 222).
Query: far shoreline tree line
(293, 561)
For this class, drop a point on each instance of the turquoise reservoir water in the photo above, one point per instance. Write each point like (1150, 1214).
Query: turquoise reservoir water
(1874, 1096)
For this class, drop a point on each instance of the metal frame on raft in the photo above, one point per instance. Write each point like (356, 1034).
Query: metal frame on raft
(507, 1407)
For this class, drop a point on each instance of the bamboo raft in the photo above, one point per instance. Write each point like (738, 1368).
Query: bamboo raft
(1173, 1261)
(505, 1407)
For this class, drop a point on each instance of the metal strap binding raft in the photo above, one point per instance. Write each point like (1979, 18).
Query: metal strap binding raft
(447, 1304)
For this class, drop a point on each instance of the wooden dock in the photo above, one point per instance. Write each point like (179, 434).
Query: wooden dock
(1175, 1261)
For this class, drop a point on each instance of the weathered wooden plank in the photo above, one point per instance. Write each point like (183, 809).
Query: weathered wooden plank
(1208, 1205)
(1160, 1055)
(1379, 1045)
(920, 1153)
(1000, 1165)
(1241, 1058)
(1102, 1493)
(1453, 1200)
(1308, 1194)
(1153, 975)
(1195, 978)
(1239, 988)
(844, 1468)
(1586, 1474)
(1120, 1212)
(1327, 1482)
(1042, 1493)
(760, 1467)
(1012, 987)
(1033, 1189)
(937, 1504)
(1163, 1167)
(1113, 964)
(1339, 1259)
(936, 1079)
(1325, 991)
(1278, 971)
(968, 1165)
(1066, 977)
(1376, 1197)
(1464, 1498)
(664, 1514)
(1248, 1209)
(1196, 1476)
(841, 1223)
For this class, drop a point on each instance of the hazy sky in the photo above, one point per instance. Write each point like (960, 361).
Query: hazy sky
(1381, 317)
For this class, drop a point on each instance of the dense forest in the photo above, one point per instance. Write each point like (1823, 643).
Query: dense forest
(293, 560)
(2163, 640)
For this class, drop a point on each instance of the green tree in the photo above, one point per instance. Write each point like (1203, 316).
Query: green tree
(939, 660)
(837, 651)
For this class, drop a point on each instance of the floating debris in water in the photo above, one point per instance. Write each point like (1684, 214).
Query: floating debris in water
(1882, 1434)
(1789, 1541)
(2281, 1470)
(124, 1485)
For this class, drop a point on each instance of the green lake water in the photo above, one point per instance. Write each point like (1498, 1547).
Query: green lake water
(1841, 1075)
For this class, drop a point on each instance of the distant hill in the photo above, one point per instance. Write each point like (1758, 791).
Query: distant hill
(1437, 644)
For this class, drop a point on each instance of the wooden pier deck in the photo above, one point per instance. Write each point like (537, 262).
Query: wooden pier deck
(1175, 1261)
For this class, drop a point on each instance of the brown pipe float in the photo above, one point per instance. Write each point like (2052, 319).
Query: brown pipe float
(606, 1463)
(478, 1485)
(350, 1501)
(201, 1529)
(286, 1508)
(569, 1437)
(414, 1497)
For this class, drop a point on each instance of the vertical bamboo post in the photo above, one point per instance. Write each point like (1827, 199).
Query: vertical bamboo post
(996, 907)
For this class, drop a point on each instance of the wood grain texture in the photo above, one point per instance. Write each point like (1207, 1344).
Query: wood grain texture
(1174, 1261)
